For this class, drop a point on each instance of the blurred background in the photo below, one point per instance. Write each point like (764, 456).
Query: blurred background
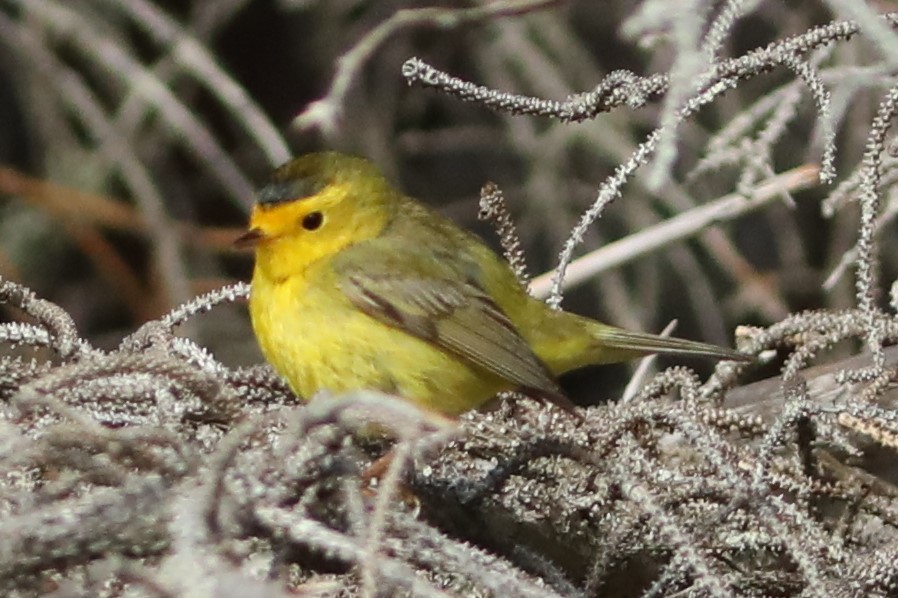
(133, 132)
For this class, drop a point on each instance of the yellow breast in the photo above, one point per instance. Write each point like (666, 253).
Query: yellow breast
(317, 340)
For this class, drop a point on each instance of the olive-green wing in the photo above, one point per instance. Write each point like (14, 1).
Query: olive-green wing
(456, 316)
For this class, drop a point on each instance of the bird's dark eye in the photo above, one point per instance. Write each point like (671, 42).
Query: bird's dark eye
(313, 221)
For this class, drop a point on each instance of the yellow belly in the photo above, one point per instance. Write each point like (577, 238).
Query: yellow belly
(317, 340)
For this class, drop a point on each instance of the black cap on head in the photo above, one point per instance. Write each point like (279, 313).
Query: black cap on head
(288, 188)
(307, 175)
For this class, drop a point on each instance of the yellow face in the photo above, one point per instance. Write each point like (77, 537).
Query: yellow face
(304, 215)
(299, 218)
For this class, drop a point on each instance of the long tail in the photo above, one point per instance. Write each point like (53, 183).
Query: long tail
(638, 343)
(561, 343)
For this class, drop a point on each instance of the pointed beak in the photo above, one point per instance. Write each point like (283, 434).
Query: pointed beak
(249, 239)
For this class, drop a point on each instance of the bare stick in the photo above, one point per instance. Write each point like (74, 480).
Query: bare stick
(683, 226)
(324, 114)
(641, 375)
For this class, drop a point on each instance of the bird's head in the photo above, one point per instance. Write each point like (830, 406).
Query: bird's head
(317, 205)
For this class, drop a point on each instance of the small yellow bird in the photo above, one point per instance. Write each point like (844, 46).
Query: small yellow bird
(358, 286)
